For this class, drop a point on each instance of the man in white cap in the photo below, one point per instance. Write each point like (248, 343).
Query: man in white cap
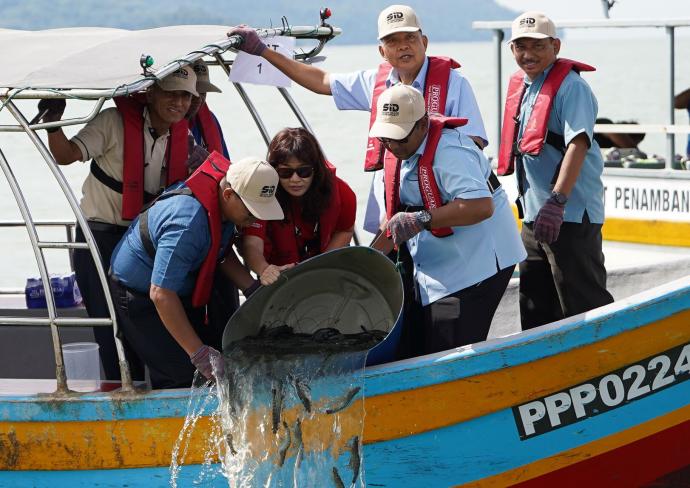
(402, 45)
(202, 122)
(163, 268)
(547, 139)
(446, 205)
(136, 149)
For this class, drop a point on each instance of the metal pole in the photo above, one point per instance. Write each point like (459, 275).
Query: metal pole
(498, 38)
(670, 136)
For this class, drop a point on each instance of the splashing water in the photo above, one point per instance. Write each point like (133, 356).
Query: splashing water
(289, 412)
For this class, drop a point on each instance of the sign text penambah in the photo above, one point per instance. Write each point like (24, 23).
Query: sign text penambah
(602, 394)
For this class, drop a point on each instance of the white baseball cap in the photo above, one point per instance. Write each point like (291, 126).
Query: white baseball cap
(397, 111)
(533, 24)
(203, 82)
(255, 182)
(183, 79)
(398, 18)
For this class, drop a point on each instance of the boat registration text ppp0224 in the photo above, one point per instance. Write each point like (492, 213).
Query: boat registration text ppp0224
(604, 393)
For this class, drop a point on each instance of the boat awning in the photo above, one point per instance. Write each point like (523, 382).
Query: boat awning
(93, 57)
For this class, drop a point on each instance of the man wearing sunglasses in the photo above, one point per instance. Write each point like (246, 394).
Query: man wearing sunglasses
(163, 268)
(444, 203)
(402, 45)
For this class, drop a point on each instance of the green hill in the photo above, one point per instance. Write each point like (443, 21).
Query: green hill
(442, 20)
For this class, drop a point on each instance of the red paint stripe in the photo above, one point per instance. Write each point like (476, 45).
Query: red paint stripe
(634, 464)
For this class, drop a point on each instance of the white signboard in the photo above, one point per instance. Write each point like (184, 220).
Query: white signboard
(647, 198)
(254, 69)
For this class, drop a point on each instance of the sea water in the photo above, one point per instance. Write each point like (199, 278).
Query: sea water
(289, 412)
(631, 82)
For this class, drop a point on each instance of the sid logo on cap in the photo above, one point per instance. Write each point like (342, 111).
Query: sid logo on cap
(181, 73)
(200, 68)
(391, 109)
(267, 191)
(528, 22)
(394, 17)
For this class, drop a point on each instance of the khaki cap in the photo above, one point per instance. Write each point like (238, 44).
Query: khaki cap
(203, 82)
(533, 24)
(255, 182)
(183, 79)
(397, 18)
(397, 111)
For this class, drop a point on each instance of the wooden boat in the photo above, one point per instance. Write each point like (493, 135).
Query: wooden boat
(600, 398)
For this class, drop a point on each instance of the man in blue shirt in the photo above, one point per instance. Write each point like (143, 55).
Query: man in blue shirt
(403, 46)
(461, 277)
(159, 265)
(561, 191)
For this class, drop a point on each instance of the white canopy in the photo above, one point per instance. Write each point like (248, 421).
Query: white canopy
(94, 57)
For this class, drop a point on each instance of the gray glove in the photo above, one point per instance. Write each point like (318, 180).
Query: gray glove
(251, 44)
(197, 155)
(404, 226)
(209, 362)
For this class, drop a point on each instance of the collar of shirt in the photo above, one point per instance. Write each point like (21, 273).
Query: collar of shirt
(418, 82)
(148, 129)
(540, 79)
(412, 160)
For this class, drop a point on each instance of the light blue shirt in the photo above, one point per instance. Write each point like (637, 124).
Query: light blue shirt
(354, 91)
(574, 112)
(474, 252)
(179, 230)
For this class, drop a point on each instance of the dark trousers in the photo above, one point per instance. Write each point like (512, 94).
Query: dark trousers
(107, 236)
(411, 342)
(563, 278)
(464, 317)
(169, 365)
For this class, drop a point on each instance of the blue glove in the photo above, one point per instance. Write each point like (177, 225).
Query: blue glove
(547, 225)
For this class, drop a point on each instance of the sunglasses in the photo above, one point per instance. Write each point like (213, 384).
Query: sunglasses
(302, 172)
(386, 141)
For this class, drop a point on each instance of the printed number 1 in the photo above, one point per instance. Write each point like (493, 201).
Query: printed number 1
(259, 66)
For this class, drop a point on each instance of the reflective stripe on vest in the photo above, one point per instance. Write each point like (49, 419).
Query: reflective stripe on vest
(431, 195)
(209, 129)
(132, 109)
(535, 131)
(435, 95)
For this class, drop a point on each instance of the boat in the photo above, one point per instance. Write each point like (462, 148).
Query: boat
(599, 398)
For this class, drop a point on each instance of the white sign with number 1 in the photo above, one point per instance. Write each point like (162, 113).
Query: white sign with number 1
(248, 68)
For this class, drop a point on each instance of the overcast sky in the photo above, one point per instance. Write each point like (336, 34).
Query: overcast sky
(623, 9)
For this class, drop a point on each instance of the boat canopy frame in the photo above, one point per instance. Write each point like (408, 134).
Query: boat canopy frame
(670, 129)
(215, 51)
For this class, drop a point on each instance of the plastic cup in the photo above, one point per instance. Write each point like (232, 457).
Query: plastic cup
(82, 366)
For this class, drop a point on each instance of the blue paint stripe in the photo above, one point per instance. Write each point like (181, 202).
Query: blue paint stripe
(490, 445)
(525, 347)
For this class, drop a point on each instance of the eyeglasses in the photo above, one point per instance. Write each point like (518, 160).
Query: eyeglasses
(386, 141)
(302, 172)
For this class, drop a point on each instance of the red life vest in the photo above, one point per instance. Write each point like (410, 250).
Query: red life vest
(435, 94)
(535, 131)
(131, 108)
(209, 129)
(431, 196)
(281, 234)
(204, 186)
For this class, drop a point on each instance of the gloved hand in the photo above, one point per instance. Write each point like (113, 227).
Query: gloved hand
(547, 225)
(53, 108)
(209, 362)
(404, 226)
(197, 155)
(251, 44)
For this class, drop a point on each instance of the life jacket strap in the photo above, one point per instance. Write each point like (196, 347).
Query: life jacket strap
(112, 183)
(144, 233)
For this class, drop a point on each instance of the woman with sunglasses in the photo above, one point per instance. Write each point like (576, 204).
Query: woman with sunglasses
(319, 208)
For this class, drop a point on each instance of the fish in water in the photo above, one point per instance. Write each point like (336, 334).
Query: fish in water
(277, 409)
(285, 445)
(303, 392)
(346, 402)
(355, 459)
(337, 480)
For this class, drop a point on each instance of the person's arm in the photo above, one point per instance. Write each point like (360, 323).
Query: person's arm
(253, 249)
(63, 150)
(235, 270)
(572, 164)
(682, 100)
(340, 238)
(462, 212)
(310, 77)
(175, 319)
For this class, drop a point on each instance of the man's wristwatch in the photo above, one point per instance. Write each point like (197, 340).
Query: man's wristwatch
(559, 198)
(425, 219)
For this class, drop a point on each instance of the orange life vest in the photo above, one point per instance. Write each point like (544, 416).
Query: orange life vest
(535, 132)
